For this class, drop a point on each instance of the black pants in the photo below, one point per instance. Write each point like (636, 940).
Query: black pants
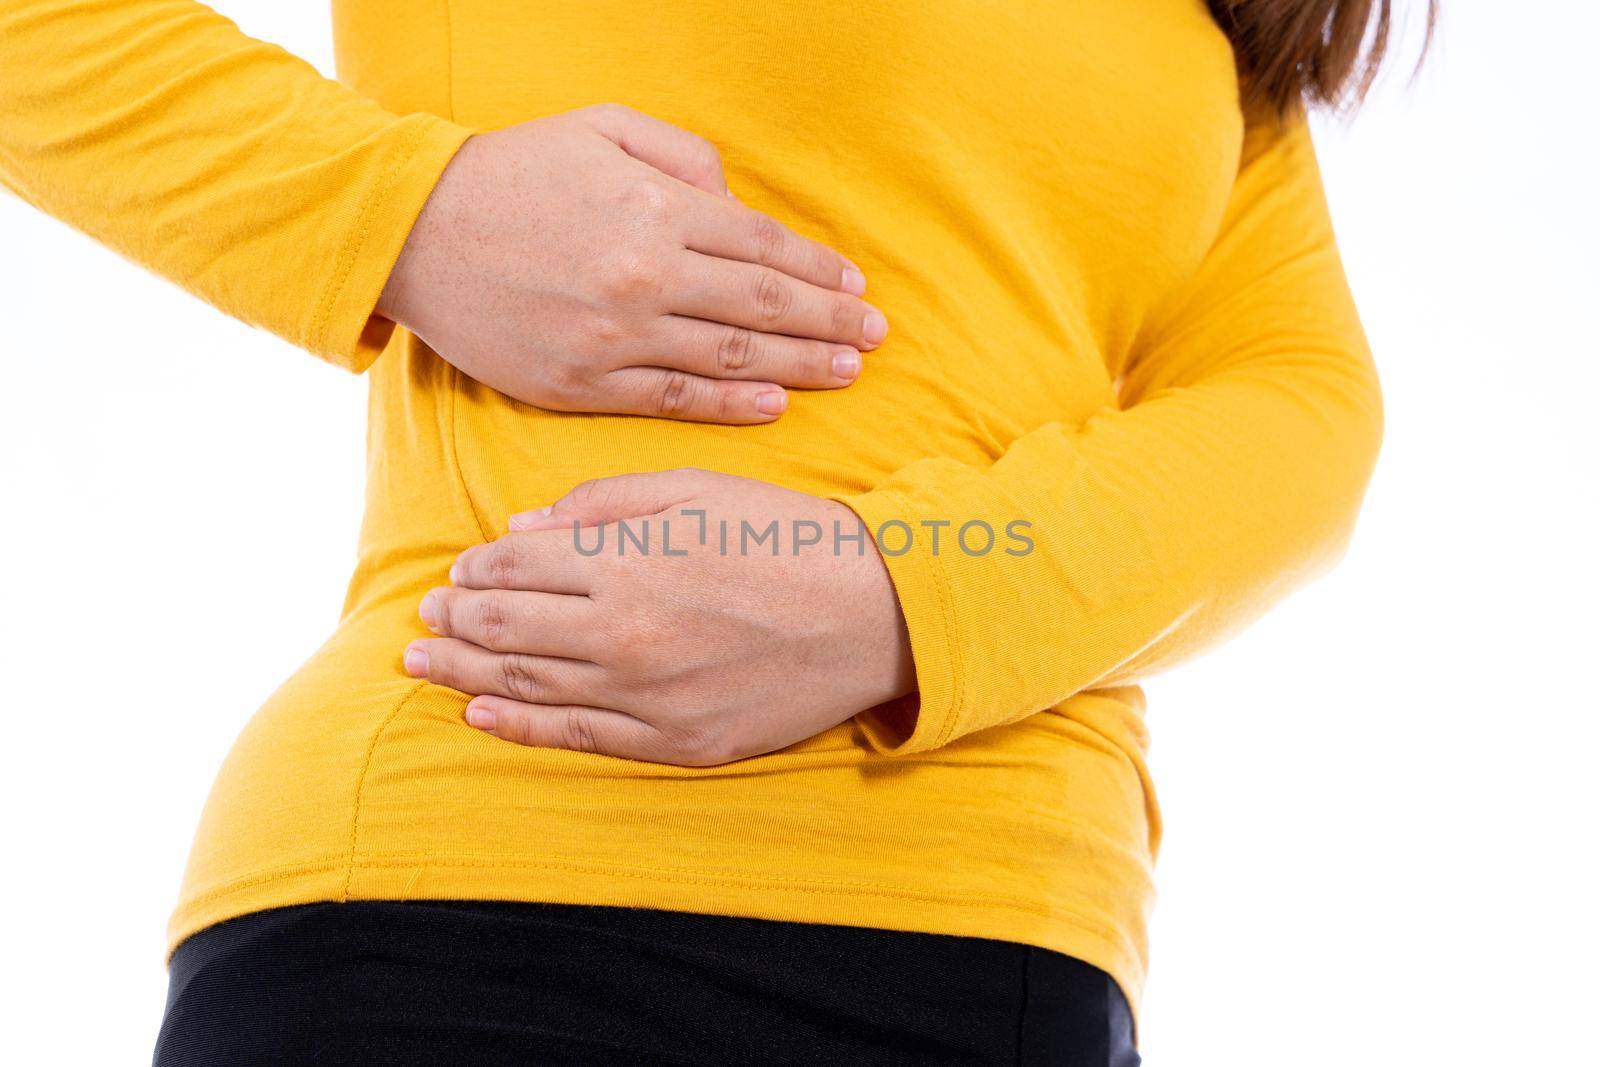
(392, 984)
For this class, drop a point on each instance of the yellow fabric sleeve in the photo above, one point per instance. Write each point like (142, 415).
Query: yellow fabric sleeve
(218, 161)
(1231, 470)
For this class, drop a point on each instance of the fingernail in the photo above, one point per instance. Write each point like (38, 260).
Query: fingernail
(455, 573)
(416, 662)
(874, 328)
(524, 519)
(480, 717)
(429, 610)
(772, 403)
(847, 364)
(853, 281)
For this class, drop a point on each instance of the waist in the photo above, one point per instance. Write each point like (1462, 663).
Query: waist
(357, 782)
(450, 460)
(699, 988)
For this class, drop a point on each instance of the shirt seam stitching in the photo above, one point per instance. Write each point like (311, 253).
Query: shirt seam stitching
(351, 250)
(449, 62)
(361, 781)
(479, 519)
(949, 630)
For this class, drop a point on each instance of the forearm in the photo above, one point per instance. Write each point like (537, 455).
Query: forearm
(1155, 533)
(223, 163)
(1231, 472)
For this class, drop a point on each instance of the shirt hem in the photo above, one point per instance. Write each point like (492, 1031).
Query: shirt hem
(549, 880)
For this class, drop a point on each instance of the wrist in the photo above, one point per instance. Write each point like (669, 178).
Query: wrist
(399, 298)
(884, 633)
(391, 301)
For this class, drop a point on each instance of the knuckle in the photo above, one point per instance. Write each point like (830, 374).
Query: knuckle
(735, 350)
(629, 277)
(674, 397)
(519, 678)
(724, 402)
(706, 157)
(769, 239)
(773, 298)
(604, 335)
(502, 563)
(646, 199)
(592, 494)
(493, 621)
(577, 731)
(700, 477)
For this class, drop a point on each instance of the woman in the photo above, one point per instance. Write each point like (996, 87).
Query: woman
(581, 777)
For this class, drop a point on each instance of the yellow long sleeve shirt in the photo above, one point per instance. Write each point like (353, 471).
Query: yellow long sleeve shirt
(1118, 314)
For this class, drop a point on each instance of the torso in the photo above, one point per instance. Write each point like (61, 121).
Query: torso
(1022, 183)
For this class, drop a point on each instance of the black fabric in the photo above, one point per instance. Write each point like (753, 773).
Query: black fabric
(434, 982)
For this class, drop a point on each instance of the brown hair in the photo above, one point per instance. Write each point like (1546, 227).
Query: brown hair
(1323, 52)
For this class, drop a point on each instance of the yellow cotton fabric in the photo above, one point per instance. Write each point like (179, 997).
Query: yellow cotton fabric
(1117, 312)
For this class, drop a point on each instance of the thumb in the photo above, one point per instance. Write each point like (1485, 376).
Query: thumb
(625, 496)
(685, 156)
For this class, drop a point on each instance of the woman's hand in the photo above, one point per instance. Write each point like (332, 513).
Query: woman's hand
(738, 618)
(595, 261)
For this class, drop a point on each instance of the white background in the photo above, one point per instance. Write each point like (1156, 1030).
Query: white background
(1380, 801)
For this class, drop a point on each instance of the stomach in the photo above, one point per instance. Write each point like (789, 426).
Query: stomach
(357, 781)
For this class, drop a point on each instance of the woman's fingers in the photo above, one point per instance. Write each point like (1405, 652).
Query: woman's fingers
(532, 679)
(617, 498)
(767, 300)
(543, 561)
(502, 620)
(574, 727)
(702, 371)
(734, 353)
(717, 226)
(542, 282)
(670, 149)
(676, 394)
